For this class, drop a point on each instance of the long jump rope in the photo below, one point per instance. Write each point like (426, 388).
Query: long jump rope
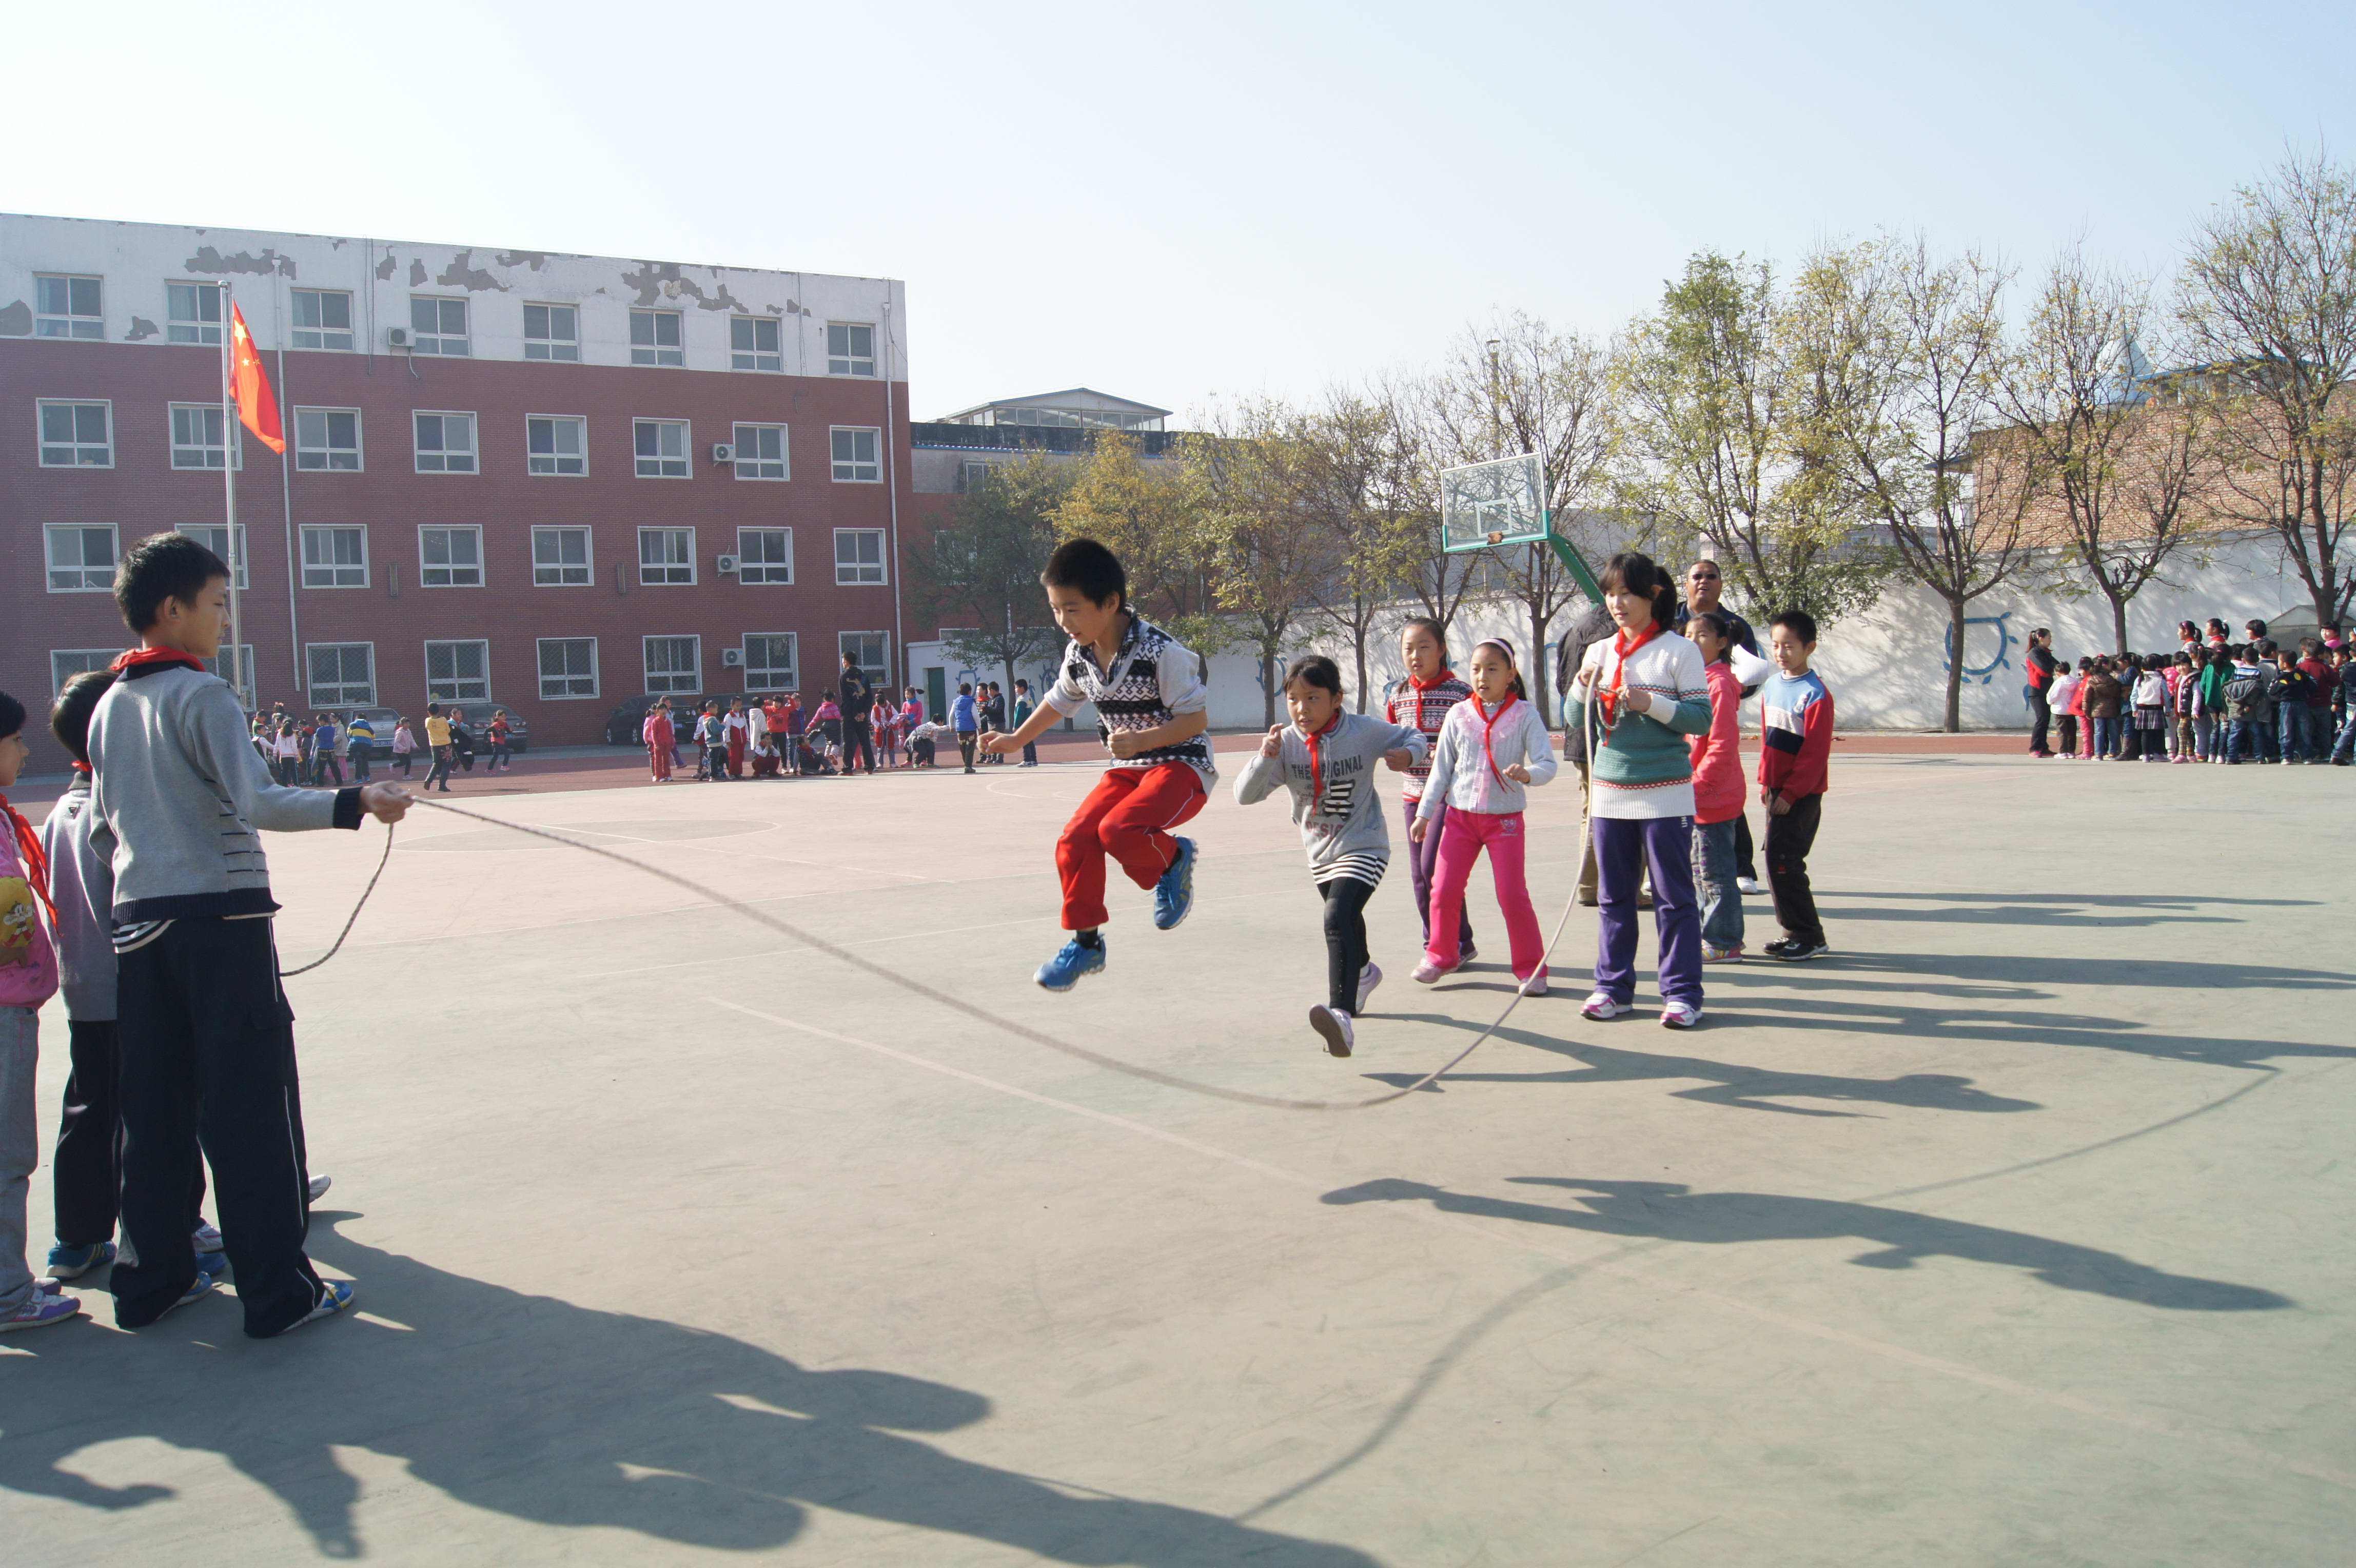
(958, 1004)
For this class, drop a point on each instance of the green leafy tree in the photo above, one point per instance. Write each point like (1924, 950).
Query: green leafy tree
(1362, 479)
(1256, 472)
(1153, 514)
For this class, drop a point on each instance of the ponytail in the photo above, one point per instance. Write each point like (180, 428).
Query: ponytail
(1633, 572)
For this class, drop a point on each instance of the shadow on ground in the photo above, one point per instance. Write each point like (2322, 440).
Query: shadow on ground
(1672, 1212)
(561, 1415)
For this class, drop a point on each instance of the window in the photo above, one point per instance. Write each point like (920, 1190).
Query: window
(458, 671)
(327, 438)
(450, 557)
(854, 455)
(972, 475)
(241, 681)
(343, 674)
(769, 662)
(551, 332)
(446, 442)
(66, 306)
(197, 432)
(215, 538)
(761, 452)
(81, 557)
(559, 557)
(323, 318)
(65, 664)
(333, 557)
(857, 557)
(661, 446)
(192, 313)
(674, 664)
(556, 444)
(871, 649)
(76, 434)
(667, 556)
(849, 348)
(568, 667)
(765, 555)
(437, 326)
(654, 337)
(752, 343)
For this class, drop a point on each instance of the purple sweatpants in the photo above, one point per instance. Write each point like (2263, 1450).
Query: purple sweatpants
(1423, 864)
(1623, 846)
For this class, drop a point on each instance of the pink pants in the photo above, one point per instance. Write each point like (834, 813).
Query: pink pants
(1465, 835)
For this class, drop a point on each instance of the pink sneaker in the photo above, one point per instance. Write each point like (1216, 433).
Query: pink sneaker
(1600, 1007)
(1431, 970)
(1680, 1016)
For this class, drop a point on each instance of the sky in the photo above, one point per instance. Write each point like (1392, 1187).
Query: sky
(1180, 204)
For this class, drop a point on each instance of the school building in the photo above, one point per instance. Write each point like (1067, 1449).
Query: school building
(554, 482)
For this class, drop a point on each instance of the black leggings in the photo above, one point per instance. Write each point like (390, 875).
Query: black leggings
(1345, 939)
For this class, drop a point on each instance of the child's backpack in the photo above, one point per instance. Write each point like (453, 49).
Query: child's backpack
(2246, 696)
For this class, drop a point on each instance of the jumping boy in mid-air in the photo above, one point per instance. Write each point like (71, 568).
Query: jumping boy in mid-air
(1155, 710)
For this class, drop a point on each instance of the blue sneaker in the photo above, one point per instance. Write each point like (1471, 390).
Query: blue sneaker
(212, 1266)
(335, 1298)
(72, 1263)
(1071, 961)
(1174, 896)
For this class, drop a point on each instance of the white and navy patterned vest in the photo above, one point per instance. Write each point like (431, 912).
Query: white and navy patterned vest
(1128, 697)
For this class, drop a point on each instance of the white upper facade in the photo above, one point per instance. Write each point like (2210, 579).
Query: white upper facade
(102, 280)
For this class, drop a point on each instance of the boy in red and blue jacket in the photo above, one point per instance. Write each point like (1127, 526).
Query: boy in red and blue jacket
(1795, 758)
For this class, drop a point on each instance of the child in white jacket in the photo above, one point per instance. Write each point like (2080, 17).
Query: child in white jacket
(1491, 746)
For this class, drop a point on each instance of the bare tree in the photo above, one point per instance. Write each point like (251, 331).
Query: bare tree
(1362, 481)
(986, 565)
(2268, 301)
(1154, 516)
(1273, 550)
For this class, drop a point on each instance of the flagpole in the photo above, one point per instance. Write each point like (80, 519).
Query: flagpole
(234, 664)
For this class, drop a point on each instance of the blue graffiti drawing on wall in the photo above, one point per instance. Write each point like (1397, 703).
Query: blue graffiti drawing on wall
(1999, 658)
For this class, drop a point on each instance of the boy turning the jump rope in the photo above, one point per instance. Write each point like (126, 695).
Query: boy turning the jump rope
(1154, 709)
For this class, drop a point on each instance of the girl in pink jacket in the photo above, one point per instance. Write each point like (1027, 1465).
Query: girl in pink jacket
(1718, 794)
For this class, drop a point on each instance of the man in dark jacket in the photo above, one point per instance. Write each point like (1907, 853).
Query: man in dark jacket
(2037, 664)
(858, 699)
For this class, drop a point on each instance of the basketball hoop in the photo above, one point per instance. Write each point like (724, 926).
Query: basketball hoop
(1496, 536)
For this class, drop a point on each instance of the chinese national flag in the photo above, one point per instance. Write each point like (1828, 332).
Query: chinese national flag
(257, 405)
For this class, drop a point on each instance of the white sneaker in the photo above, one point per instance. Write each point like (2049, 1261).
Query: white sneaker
(1369, 978)
(1680, 1016)
(1748, 885)
(208, 1237)
(1334, 1025)
(319, 1186)
(1535, 985)
(1600, 1007)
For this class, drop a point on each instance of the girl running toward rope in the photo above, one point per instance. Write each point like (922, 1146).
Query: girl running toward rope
(1326, 759)
(1490, 747)
(1639, 696)
(1150, 698)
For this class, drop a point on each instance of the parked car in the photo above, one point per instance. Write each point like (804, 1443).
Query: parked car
(478, 719)
(625, 725)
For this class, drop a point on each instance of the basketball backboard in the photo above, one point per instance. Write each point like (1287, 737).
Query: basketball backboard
(1485, 505)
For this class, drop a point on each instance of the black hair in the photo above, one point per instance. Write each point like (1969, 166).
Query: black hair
(1633, 572)
(1428, 623)
(2266, 646)
(12, 716)
(69, 719)
(2048, 632)
(1714, 624)
(1088, 567)
(2085, 665)
(1511, 662)
(1315, 670)
(965, 688)
(162, 566)
(1802, 624)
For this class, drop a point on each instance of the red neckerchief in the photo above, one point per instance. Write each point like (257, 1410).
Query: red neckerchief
(138, 657)
(84, 769)
(1623, 648)
(28, 849)
(1439, 680)
(1489, 731)
(1317, 763)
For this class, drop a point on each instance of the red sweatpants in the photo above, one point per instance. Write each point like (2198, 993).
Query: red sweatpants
(1129, 816)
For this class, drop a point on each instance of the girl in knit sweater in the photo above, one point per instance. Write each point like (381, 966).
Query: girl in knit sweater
(1638, 696)
(1491, 745)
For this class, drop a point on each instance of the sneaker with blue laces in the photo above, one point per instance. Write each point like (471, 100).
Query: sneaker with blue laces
(72, 1263)
(212, 1266)
(1174, 896)
(335, 1297)
(1072, 961)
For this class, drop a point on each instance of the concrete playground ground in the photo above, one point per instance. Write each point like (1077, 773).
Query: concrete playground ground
(2017, 1231)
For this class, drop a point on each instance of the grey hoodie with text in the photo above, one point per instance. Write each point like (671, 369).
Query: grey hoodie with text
(1344, 829)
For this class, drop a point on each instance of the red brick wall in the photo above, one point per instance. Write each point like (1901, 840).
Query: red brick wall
(143, 494)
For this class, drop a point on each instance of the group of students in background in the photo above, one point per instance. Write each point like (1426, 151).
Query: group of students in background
(312, 753)
(779, 737)
(2214, 700)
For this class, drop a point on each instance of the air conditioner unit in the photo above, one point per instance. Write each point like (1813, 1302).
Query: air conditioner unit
(397, 337)
(731, 656)
(723, 453)
(727, 565)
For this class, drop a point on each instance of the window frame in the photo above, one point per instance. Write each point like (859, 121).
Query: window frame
(241, 676)
(441, 337)
(673, 531)
(588, 564)
(236, 428)
(197, 327)
(295, 332)
(306, 565)
(559, 351)
(433, 693)
(43, 445)
(848, 360)
(694, 676)
(96, 658)
(580, 421)
(835, 466)
(793, 670)
(686, 458)
(540, 668)
(775, 353)
(482, 572)
(70, 319)
(82, 568)
(311, 689)
(238, 564)
(766, 581)
(358, 447)
(653, 348)
(880, 678)
(474, 452)
(881, 565)
(784, 459)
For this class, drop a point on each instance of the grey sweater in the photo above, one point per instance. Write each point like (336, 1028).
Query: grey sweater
(180, 793)
(1343, 834)
(81, 885)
